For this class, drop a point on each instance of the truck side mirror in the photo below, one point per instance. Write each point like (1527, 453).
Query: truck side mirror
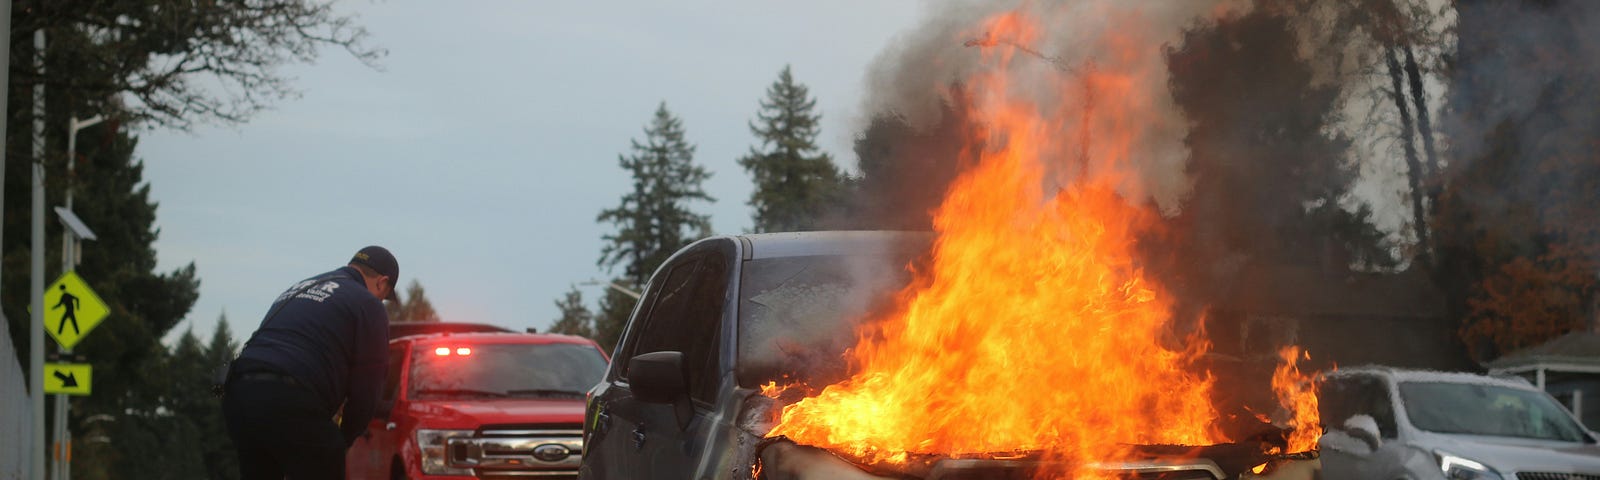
(658, 377)
(1364, 428)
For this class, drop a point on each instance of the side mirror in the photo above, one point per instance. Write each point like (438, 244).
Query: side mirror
(1365, 429)
(658, 377)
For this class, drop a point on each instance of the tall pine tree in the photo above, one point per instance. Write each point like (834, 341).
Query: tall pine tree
(216, 447)
(796, 183)
(414, 306)
(653, 220)
(576, 319)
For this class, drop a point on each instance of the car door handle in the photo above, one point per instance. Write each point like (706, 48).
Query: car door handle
(389, 426)
(638, 437)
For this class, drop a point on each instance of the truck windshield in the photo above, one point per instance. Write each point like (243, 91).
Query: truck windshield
(798, 315)
(504, 370)
(1478, 409)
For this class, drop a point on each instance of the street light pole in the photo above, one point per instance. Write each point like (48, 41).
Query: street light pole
(614, 286)
(69, 247)
(36, 283)
(69, 259)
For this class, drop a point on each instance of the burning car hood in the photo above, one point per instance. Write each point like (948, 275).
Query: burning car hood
(477, 412)
(1523, 455)
(782, 459)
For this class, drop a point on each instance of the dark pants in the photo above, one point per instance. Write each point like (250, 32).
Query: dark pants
(282, 430)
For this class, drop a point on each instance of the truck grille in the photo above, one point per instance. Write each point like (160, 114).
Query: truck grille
(1556, 476)
(520, 453)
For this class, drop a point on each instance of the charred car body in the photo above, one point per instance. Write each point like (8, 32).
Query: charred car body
(727, 315)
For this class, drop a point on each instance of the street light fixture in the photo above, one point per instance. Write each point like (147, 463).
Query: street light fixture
(69, 245)
(614, 286)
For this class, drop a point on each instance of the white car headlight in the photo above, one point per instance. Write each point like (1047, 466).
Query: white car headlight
(435, 451)
(1458, 468)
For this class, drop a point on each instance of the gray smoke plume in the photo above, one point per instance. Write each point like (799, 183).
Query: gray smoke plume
(916, 88)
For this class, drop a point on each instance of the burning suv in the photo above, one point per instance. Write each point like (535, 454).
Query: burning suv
(690, 394)
(480, 403)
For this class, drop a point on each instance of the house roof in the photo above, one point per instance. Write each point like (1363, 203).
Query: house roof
(1577, 349)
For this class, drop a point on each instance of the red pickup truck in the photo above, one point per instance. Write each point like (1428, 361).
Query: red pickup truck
(469, 404)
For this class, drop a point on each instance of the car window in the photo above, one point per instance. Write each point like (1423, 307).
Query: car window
(391, 380)
(504, 370)
(705, 310)
(686, 317)
(1347, 396)
(1478, 409)
(666, 284)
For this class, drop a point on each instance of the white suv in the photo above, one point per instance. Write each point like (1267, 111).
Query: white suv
(1391, 424)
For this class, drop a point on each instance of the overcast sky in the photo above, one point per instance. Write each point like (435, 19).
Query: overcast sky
(482, 152)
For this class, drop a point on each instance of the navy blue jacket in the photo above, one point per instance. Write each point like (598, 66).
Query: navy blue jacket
(332, 335)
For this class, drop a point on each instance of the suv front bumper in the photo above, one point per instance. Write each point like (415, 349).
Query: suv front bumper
(518, 454)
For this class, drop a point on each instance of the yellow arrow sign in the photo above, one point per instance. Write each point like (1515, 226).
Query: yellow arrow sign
(67, 378)
(71, 309)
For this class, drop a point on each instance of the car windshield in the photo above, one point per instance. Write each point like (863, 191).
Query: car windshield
(798, 315)
(508, 370)
(1480, 409)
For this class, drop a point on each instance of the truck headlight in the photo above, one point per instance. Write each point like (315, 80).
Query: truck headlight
(436, 453)
(1458, 468)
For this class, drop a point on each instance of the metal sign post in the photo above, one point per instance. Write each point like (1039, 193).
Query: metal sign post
(81, 309)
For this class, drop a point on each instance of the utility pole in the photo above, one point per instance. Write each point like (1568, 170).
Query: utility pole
(69, 260)
(36, 283)
(5, 107)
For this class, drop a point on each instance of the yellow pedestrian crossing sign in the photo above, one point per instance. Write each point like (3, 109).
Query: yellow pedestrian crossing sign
(71, 309)
(67, 378)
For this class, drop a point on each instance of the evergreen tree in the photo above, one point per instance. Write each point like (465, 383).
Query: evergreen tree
(653, 220)
(615, 307)
(186, 406)
(216, 447)
(576, 319)
(415, 307)
(796, 183)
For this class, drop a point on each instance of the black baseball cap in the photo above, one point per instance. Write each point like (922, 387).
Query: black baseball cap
(381, 261)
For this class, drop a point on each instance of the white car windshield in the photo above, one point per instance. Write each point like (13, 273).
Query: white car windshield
(1479, 409)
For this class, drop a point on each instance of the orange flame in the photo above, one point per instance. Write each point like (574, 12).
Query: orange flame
(1034, 327)
(1297, 394)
